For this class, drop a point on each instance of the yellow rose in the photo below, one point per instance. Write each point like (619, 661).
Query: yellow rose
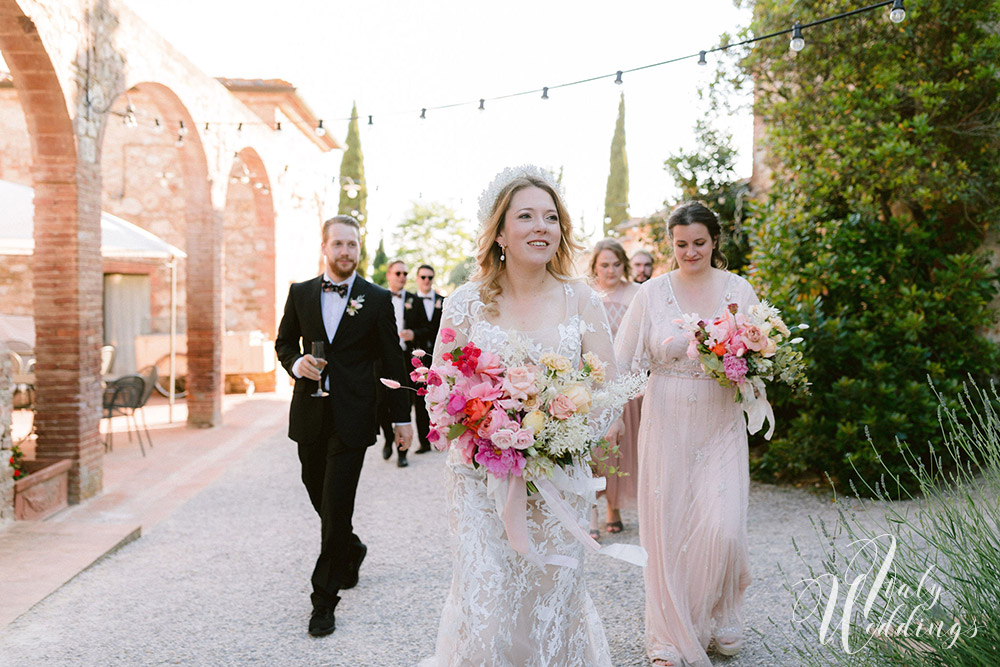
(598, 374)
(534, 420)
(556, 363)
(580, 397)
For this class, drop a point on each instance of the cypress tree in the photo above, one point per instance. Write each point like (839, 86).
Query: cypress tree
(616, 196)
(352, 166)
(378, 264)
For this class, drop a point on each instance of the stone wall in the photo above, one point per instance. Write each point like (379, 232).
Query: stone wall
(6, 410)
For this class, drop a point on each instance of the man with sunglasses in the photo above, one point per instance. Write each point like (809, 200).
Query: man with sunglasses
(402, 303)
(424, 320)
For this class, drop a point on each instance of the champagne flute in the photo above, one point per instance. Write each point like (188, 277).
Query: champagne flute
(320, 356)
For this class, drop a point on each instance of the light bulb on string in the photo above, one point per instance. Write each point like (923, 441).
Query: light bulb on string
(482, 104)
(897, 14)
(206, 127)
(277, 126)
(181, 130)
(320, 130)
(370, 122)
(618, 78)
(798, 42)
(545, 93)
(239, 127)
(180, 141)
(701, 58)
(157, 126)
(130, 120)
(423, 114)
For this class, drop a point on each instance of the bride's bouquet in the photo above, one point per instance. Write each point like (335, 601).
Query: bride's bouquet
(526, 424)
(525, 419)
(746, 350)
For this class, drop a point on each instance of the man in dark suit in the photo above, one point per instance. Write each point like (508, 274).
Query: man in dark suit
(424, 320)
(354, 320)
(402, 301)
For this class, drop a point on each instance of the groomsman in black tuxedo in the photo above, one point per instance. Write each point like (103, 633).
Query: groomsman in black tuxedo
(354, 320)
(402, 302)
(424, 320)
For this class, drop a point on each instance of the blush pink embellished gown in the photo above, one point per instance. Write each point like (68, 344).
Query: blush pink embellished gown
(693, 479)
(621, 489)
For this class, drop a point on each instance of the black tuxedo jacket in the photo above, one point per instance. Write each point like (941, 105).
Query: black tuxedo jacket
(425, 330)
(363, 342)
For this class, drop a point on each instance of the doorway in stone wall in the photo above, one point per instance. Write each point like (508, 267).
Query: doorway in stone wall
(126, 316)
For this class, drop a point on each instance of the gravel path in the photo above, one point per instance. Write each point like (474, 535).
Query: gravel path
(225, 579)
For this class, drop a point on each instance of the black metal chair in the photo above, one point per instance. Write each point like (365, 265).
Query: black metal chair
(149, 375)
(122, 397)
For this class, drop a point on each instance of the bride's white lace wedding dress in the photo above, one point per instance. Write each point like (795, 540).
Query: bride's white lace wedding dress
(503, 610)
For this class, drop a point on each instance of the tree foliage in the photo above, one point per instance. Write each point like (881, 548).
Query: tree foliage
(884, 142)
(352, 166)
(379, 264)
(708, 174)
(616, 195)
(434, 234)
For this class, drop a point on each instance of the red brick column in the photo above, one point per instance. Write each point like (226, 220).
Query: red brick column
(67, 262)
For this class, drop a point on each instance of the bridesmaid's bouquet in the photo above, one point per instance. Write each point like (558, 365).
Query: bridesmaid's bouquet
(521, 420)
(746, 350)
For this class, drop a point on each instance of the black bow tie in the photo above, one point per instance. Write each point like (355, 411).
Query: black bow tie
(425, 298)
(397, 295)
(339, 289)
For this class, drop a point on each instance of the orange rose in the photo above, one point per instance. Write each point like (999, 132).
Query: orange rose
(475, 410)
(719, 349)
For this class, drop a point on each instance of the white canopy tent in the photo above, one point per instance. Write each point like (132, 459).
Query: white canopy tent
(120, 239)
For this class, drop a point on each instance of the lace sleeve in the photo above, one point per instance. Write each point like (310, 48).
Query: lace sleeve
(630, 344)
(596, 338)
(461, 309)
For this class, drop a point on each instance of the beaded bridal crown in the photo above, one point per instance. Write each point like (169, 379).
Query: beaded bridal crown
(487, 200)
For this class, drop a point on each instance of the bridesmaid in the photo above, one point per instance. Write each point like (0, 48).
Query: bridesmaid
(694, 474)
(609, 274)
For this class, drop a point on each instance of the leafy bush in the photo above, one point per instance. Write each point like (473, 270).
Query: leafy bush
(883, 139)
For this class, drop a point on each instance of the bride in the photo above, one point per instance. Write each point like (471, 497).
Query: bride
(503, 609)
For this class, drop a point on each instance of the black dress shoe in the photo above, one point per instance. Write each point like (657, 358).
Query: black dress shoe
(354, 568)
(423, 449)
(401, 461)
(322, 622)
(387, 450)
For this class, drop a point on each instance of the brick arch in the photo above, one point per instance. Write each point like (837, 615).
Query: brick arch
(203, 245)
(249, 270)
(66, 263)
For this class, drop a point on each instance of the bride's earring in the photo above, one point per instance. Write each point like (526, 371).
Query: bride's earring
(502, 256)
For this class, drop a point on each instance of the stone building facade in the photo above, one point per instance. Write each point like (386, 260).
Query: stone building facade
(99, 112)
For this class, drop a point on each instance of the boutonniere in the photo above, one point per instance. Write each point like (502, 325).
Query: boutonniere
(409, 304)
(354, 305)
(438, 303)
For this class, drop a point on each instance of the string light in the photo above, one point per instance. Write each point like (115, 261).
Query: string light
(897, 14)
(130, 119)
(181, 130)
(320, 130)
(157, 127)
(206, 127)
(797, 43)
(180, 141)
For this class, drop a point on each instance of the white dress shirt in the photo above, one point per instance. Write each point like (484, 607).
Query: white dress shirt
(333, 306)
(428, 301)
(397, 306)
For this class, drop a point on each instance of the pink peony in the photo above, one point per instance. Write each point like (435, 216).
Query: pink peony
(489, 364)
(447, 335)
(735, 367)
(500, 462)
(486, 390)
(561, 407)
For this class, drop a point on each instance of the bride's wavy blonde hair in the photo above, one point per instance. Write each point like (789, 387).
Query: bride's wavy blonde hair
(561, 266)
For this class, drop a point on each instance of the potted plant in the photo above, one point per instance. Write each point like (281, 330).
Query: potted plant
(40, 486)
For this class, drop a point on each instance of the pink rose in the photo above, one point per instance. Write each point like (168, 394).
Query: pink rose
(770, 347)
(561, 407)
(520, 382)
(754, 338)
(485, 390)
(447, 335)
(456, 404)
(489, 364)
(503, 439)
(524, 438)
(692, 350)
